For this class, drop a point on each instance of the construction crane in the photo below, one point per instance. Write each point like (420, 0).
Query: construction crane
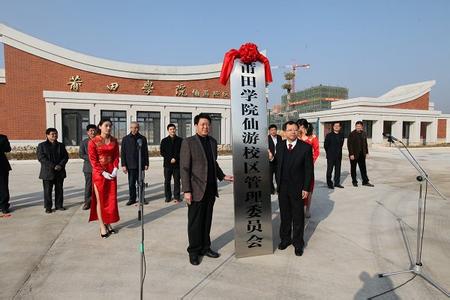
(293, 68)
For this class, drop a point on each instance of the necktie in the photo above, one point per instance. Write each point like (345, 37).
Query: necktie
(290, 147)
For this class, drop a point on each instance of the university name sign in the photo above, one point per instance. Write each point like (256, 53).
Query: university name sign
(252, 203)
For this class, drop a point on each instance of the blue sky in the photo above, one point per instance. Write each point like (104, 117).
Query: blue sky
(366, 46)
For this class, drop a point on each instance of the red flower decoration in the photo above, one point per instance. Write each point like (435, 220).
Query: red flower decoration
(247, 53)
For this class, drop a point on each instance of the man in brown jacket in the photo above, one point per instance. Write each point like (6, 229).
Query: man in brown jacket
(358, 151)
(199, 173)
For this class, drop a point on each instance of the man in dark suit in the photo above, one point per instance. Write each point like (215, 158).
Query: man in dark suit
(5, 167)
(358, 151)
(91, 130)
(294, 174)
(53, 158)
(199, 173)
(130, 159)
(170, 149)
(274, 140)
(333, 147)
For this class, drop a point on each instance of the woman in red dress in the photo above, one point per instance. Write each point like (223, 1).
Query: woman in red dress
(305, 133)
(103, 153)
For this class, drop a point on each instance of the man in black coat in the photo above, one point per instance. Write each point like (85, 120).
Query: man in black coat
(274, 140)
(294, 174)
(53, 158)
(130, 158)
(91, 130)
(170, 149)
(358, 151)
(5, 167)
(333, 147)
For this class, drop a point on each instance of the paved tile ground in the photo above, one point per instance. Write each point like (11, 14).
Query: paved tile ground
(353, 234)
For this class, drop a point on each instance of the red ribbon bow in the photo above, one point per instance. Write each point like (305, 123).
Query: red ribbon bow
(248, 53)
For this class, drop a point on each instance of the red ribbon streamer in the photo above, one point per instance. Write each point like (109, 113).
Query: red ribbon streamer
(248, 53)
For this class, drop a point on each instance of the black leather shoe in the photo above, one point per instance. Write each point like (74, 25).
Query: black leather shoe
(298, 251)
(194, 260)
(355, 183)
(60, 208)
(168, 200)
(339, 186)
(131, 202)
(368, 184)
(6, 211)
(86, 207)
(283, 245)
(331, 187)
(48, 210)
(211, 254)
(106, 235)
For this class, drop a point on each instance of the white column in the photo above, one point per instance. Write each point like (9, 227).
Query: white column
(56, 120)
(377, 131)
(397, 129)
(414, 133)
(165, 120)
(131, 115)
(432, 132)
(321, 132)
(447, 138)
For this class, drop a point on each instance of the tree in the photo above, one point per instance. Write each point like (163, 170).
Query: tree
(289, 76)
(287, 86)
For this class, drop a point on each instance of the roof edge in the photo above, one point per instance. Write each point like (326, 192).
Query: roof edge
(32, 45)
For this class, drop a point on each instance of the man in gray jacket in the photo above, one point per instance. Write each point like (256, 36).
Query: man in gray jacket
(91, 131)
(199, 172)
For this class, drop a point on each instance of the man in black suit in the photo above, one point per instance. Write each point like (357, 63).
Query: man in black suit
(294, 175)
(358, 151)
(274, 140)
(130, 159)
(5, 167)
(170, 149)
(91, 130)
(199, 173)
(333, 147)
(53, 158)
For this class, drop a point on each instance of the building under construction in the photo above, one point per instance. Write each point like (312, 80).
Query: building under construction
(313, 99)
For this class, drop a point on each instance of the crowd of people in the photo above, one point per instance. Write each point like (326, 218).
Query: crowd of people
(192, 165)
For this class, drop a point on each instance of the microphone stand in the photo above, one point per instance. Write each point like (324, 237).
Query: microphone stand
(422, 178)
(140, 185)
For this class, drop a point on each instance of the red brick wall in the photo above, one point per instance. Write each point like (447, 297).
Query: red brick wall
(22, 105)
(420, 103)
(442, 129)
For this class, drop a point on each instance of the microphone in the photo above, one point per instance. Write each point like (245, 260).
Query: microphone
(139, 142)
(390, 137)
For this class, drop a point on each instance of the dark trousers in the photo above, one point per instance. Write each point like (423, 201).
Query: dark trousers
(199, 223)
(168, 174)
(361, 161)
(87, 188)
(292, 218)
(133, 176)
(4, 191)
(334, 163)
(273, 172)
(59, 193)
